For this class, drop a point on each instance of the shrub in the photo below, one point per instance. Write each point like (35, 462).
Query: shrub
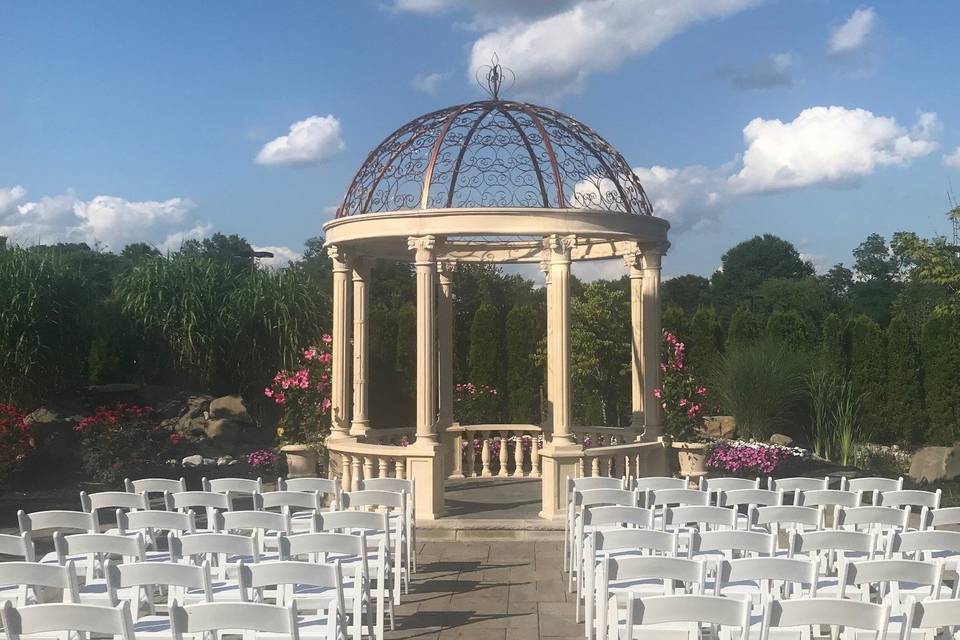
(832, 350)
(788, 328)
(703, 341)
(682, 397)
(304, 394)
(904, 411)
(123, 441)
(868, 371)
(847, 423)
(751, 459)
(762, 388)
(16, 440)
(524, 376)
(940, 352)
(744, 329)
(822, 386)
(473, 403)
(486, 357)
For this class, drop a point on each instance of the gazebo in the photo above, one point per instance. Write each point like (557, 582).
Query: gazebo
(493, 181)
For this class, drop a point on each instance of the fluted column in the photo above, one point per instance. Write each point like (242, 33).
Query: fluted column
(445, 343)
(653, 414)
(547, 425)
(634, 263)
(558, 336)
(340, 380)
(361, 341)
(426, 268)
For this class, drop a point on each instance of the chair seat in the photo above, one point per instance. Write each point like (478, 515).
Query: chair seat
(308, 627)
(11, 593)
(223, 591)
(154, 627)
(94, 592)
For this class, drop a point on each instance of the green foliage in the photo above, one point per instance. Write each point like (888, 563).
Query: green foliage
(746, 266)
(822, 385)
(904, 411)
(788, 329)
(940, 352)
(832, 346)
(762, 388)
(703, 341)
(847, 422)
(687, 292)
(673, 319)
(406, 363)
(744, 329)
(868, 372)
(524, 376)
(487, 358)
(809, 297)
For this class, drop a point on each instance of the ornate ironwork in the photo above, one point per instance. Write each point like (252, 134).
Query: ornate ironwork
(495, 153)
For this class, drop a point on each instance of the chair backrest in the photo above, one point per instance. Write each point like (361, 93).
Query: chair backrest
(313, 544)
(648, 541)
(828, 497)
(882, 574)
(660, 497)
(286, 575)
(789, 485)
(671, 570)
(924, 542)
(259, 521)
(636, 517)
(701, 517)
(35, 574)
(324, 486)
(750, 542)
(373, 498)
(397, 485)
(58, 520)
(728, 484)
(872, 485)
(198, 544)
(200, 499)
(288, 500)
(590, 497)
(177, 521)
(233, 485)
(797, 575)
(751, 497)
(701, 609)
(870, 518)
(155, 485)
(833, 541)
(46, 618)
(932, 614)
(942, 517)
(655, 483)
(597, 482)
(808, 612)
(19, 546)
(247, 616)
(113, 500)
(912, 498)
(774, 518)
(99, 543)
(353, 522)
(177, 577)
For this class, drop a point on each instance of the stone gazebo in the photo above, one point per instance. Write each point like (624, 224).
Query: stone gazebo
(493, 181)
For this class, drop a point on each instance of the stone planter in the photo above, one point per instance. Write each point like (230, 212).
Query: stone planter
(692, 457)
(301, 460)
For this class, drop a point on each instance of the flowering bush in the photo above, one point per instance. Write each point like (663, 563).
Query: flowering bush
(474, 403)
(125, 440)
(751, 459)
(262, 460)
(682, 397)
(304, 394)
(16, 439)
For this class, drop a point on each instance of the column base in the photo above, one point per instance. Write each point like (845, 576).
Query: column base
(425, 467)
(359, 428)
(557, 463)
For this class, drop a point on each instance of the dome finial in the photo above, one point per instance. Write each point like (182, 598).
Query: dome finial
(493, 76)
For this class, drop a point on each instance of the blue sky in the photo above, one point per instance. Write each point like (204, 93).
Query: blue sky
(123, 121)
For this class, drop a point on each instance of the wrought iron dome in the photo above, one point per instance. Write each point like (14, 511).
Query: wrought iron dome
(495, 153)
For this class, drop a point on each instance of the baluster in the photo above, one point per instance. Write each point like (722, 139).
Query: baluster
(611, 466)
(457, 457)
(469, 456)
(355, 476)
(582, 468)
(595, 467)
(535, 456)
(401, 468)
(504, 455)
(383, 467)
(367, 467)
(485, 454)
(345, 471)
(626, 465)
(518, 456)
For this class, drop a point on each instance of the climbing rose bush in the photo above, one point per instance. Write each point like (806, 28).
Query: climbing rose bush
(474, 403)
(748, 458)
(304, 394)
(683, 398)
(16, 439)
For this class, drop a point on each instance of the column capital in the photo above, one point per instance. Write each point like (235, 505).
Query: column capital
(633, 260)
(445, 269)
(558, 247)
(341, 261)
(652, 253)
(423, 246)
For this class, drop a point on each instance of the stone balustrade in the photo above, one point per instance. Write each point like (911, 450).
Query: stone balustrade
(620, 460)
(495, 450)
(362, 461)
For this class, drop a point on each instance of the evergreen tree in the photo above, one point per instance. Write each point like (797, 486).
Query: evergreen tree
(673, 320)
(486, 359)
(787, 328)
(905, 412)
(744, 329)
(868, 373)
(406, 350)
(703, 342)
(832, 349)
(524, 377)
(940, 354)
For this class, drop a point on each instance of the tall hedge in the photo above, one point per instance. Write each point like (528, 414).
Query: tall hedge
(674, 320)
(524, 376)
(905, 412)
(486, 359)
(744, 329)
(788, 329)
(832, 346)
(703, 341)
(940, 355)
(406, 351)
(868, 373)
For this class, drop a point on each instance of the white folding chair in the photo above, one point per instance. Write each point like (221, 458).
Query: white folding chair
(926, 545)
(156, 486)
(210, 502)
(911, 498)
(317, 588)
(879, 520)
(351, 552)
(98, 547)
(829, 499)
(574, 486)
(743, 500)
(941, 517)
(676, 616)
(223, 551)
(785, 519)
(655, 483)
(586, 499)
(872, 486)
(57, 619)
(896, 579)
(391, 503)
(18, 546)
(766, 577)
(266, 620)
(298, 506)
(155, 526)
(827, 548)
(714, 486)
(659, 499)
(700, 518)
(790, 485)
(409, 487)
(26, 583)
(112, 501)
(328, 488)
(138, 584)
(242, 486)
(846, 615)
(63, 522)
(931, 617)
(728, 544)
(264, 526)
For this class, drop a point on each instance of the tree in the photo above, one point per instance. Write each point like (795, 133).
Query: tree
(807, 296)
(747, 265)
(788, 329)
(744, 329)
(674, 321)
(833, 353)
(838, 280)
(688, 292)
(904, 412)
(868, 372)
(406, 351)
(486, 358)
(934, 261)
(136, 251)
(940, 355)
(874, 261)
(524, 376)
(703, 342)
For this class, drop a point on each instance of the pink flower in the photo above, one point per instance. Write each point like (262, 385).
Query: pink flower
(657, 393)
(268, 392)
(325, 358)
(325, 405)
(326, 338)
(683, 402)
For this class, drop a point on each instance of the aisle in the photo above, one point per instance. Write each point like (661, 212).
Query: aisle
(488, 591)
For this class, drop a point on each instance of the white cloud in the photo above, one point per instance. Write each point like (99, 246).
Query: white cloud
(767, 73)
(282, 256)
(853, 33)
(687, 197)
(106, 220)
(827, 145)
(428, 82)
(554, 55)
(310, 141)
(950, 159)
(9, 196)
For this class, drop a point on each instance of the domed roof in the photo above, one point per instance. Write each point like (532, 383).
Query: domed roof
(495, 153)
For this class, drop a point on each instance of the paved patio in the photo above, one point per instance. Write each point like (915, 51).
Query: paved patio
(489, 590)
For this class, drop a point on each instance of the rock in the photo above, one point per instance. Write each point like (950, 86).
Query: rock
(50, 417)
(209, 462)
(224, 461)
(192, 461)
(224, 430)
(781, 439)
(229, 407)
(932, 464)
(719, 427)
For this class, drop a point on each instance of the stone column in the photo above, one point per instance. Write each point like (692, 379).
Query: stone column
(653, 413)
(445, 343)
(547, 421)
(634, 263)
(340, 382)
(361, 357)
(560, 456)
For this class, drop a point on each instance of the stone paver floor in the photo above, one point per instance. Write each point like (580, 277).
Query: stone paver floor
(489, 591)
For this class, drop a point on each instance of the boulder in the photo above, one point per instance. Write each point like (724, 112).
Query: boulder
(719, 427)
(932, 464)
(225, 430)
(229, 407)
(192, 461)
(781, 440)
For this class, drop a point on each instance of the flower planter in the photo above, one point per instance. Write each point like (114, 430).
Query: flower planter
(692, 457)
(301, 460)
